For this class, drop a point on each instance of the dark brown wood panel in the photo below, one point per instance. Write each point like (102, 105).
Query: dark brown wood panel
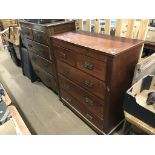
(39, 49)
(84, 80)
(40, 36)
(92, 66)
(93, 103)
(46, 78)
(27, 32)
(46, 65)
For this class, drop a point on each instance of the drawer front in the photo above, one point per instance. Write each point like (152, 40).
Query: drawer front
(40, 36)
(46, 65)
(91, 102)
(46, 78)
(27, 32)
(64, 28)
(86, 81)
(92, 66)
(40, 49)
(82, 110)
(64, 55)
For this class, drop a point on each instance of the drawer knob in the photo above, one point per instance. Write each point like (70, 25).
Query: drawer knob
(88, 65)
(62, 55)
(89, 101)
(89, 116)
(68, 99)
(88, 84)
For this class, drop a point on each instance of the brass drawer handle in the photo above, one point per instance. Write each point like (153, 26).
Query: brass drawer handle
(68, 99)
(88, 84)
(62, 55)
(88, 65)
(89, 101)
(66, 71)
(89, 116)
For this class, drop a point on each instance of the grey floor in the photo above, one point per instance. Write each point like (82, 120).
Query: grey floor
(40, 107)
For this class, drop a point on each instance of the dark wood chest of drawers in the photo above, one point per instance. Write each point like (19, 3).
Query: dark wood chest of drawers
(94, 71)
(37, 38)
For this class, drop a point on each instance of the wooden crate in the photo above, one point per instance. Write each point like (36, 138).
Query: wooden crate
(9, 22)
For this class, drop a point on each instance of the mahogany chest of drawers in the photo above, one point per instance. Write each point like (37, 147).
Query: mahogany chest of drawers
(37, 34)
(94, 72)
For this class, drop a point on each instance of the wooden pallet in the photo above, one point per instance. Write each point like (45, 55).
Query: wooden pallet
(134, 29)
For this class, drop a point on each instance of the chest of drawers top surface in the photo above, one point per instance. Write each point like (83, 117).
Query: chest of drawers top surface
(43, 27)
(103, 43)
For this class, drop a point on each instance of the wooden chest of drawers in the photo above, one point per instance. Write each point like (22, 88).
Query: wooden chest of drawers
(41, 55)
(94, 71)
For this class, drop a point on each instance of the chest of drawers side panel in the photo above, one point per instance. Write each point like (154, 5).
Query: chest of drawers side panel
(119, 79)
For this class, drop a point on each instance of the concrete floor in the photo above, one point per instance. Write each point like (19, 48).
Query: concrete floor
(39, 106)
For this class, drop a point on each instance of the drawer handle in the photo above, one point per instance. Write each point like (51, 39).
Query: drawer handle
(68, 99)
(66, 71)
(29, 45)
(88, 65)
(88, 84)
(89, 101)
(62, 55)
(65, 86)
(89, 116)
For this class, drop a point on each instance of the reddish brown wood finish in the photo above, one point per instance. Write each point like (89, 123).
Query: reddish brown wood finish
(93, 103)
(113, 61)
(84, 80)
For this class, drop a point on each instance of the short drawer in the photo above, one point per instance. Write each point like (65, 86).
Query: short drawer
(27, 32)
(46, 65)
(39, 49)
(46, 78)
(64, 55)
(40, 36)
(93, 103)
(86, 81)
(82, 110)
(92, 66)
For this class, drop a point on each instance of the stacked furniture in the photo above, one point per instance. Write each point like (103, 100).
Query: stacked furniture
(37, 34)
(94, 72)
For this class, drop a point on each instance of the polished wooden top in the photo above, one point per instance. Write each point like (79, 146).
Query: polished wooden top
(108, 44)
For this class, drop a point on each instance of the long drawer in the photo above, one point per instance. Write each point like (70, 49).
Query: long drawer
(91, 102)
(46, 78)
(46, 65)
(82, 110)
(39, 49)
(86, 81)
